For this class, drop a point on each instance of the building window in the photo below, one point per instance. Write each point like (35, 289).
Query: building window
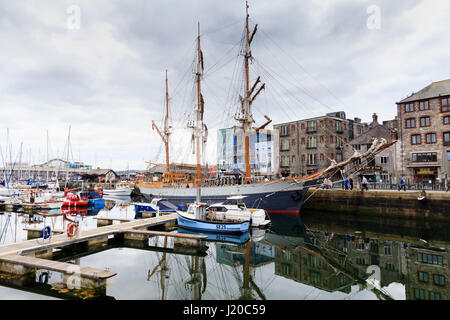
(322, 139)
(425, 122)
(284, 131)
(331, 139)
(431, 137)
(445, 103)
(434, 295)
(357, 147)
(303, 140)
(312, 159)
(322, 157)
(410, 123)
(389, 266)
(303, 157)
(424, 105)
(285, 161)
(384, 160)
(439, 280)
(339, 126)
(387, 250)
(312, 126)
(430, 259)
(312, 142)
(339, 157)
(409, 107)
(423, 276)
(419, 294)
(448, 155)
(285, 145)
(424, 157)
(339, 142)
(446, 138)
(416, 139)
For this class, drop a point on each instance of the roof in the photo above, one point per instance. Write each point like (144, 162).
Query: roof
(99, 172)
(434, 90)
(379, 131)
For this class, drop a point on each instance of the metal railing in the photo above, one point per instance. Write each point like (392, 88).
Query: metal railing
(394, 186)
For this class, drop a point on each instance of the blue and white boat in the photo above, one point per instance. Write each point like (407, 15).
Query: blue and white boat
(220, 237)
(94, 198)
(195, 218)
(157, 203)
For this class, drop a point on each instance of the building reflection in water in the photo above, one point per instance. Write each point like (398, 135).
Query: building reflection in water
(330, 257)
(335, 262)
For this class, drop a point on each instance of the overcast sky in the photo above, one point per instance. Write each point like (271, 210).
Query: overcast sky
(99, 67)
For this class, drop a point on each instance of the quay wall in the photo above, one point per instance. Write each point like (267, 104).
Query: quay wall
(398, 204)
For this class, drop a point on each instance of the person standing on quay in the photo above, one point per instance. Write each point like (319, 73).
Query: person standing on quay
(364, 183)
(402, 184)
(351, 183)
(346, 184)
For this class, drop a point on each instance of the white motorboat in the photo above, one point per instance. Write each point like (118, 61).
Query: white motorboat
(38, 199)
(234, 208)
(122, 189)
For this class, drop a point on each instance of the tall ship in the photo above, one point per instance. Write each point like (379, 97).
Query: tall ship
(285, 196)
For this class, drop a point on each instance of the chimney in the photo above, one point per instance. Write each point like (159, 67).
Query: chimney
(375, 120)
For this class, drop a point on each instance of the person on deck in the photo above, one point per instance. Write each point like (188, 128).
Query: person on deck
(346, 184)
(351, 183)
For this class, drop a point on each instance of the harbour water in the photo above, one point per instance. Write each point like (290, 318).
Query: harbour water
(311, 256)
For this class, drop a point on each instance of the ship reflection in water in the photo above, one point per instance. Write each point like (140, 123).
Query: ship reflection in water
(308, 257)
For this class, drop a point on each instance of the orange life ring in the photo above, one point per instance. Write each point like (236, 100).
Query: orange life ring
(72, 229)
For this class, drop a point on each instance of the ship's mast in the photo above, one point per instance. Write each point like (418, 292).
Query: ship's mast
(166, 125)
(166, 130)
(199, 114)
(246, 115)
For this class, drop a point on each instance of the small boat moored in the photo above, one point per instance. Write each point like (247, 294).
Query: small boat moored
(235, 208)
(157, 203)
(196, 218)
(73, 200)
(122, 189)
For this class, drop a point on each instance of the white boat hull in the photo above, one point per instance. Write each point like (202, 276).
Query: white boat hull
(118, 192)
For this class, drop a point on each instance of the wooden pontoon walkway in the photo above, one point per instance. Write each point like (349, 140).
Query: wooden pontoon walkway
(16, 253)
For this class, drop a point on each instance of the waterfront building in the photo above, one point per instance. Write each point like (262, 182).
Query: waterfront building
(425, 134)
(381, 167)
(48, 170)
(428, 274)
(262, 145)
(100, 175)
(308, 146)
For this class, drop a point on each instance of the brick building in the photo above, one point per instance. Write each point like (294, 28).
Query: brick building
(424, 119)
(309, 145)
(382, 166)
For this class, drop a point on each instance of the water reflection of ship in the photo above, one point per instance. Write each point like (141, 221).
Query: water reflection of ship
(250, 256)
